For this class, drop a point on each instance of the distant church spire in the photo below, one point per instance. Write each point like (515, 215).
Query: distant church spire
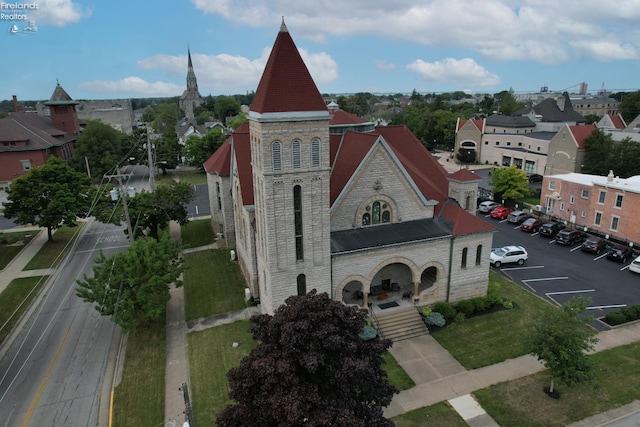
(191, 98)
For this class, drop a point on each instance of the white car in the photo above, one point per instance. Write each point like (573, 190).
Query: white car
(508, 254)
(635, 265)
(488, 206)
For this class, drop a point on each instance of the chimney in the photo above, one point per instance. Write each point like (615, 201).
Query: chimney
(610, 177)
(17, 107)
(561, 101)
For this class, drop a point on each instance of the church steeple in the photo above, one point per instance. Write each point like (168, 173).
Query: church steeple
(192, 82)
(191, 98)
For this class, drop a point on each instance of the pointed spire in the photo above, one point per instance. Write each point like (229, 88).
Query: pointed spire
(190, 65)
(283, 27)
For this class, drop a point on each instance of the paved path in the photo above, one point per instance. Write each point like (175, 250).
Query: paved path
(18, 263)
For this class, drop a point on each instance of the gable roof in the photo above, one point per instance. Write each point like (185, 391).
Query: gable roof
(581, 132)
(219, 162)
(60, 97)
(286, 84)
(242, 152)
(33, 132)
(464, 175)
(463, 222)
(549, 110)
(478, 123)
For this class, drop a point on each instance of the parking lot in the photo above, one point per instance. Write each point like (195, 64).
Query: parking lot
(558, 273)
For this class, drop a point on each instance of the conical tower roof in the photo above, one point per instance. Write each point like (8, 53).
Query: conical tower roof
(60, 97)
(286, 84)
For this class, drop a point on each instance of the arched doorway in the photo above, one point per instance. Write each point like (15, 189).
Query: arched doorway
(352, 293)
(428, 278)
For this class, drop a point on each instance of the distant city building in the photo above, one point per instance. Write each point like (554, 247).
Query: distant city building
(191, 98)
(27, 139)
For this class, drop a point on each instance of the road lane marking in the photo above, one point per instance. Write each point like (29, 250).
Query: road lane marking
(45, 380)
(542, 279)
(581, 291)
(529, 267)
(600, 307)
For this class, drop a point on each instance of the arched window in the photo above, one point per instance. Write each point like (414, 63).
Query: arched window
(297, 214)
(302, 285)
(296, 160)
(276, 155)
(463, 264)
(478, 254)
(376, 213)
(315, 153)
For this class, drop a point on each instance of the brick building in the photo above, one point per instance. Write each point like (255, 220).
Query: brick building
(307, 202)
(28, 139)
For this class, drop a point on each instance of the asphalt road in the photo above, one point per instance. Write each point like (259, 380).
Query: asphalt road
(52, 373)
(558, 273)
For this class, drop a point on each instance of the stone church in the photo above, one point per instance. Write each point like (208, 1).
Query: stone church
(191, 98)
(312, 197)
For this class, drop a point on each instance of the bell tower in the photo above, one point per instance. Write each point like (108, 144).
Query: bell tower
(289, 133)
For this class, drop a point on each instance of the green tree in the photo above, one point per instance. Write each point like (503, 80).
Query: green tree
(630, 106)
(510, 183)
(592, 118)
(625, 159)
(168, 150)
(197, 149)
(226, 107)
(102, 147)
(310, 368)
(561, 341)
(204, 116)
(507, 102)
(133, 287)
(599, 148)
(149, 212)
(239, 119)
(50, 196)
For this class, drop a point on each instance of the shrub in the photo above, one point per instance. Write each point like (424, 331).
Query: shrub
(444, 308)
(494, 300)
(459, 318)
(465, 307)
(614, 318)
(480, 304)
(368, 333)
(630, 313)
(425, 311)
(507, 304)
(435, 319)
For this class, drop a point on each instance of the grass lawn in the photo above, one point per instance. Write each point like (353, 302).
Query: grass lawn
(212, 284)
(197, 233)
(211, 355)
(190, 176)
(523, 403)
(440, 415)
(53, 251)
(15, 299)
(139, 398)
(12, 243)
(485, 340)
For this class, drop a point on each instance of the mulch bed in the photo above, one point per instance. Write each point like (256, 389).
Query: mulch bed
(494, 309)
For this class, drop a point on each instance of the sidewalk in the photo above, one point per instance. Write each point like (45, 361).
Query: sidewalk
(18, 263)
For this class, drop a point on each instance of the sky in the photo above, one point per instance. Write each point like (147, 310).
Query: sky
(109, 49)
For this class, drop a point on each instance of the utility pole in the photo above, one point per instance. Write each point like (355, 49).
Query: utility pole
(152, 166)
(123, 195)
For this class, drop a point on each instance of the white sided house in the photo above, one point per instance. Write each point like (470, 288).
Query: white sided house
(312, 197)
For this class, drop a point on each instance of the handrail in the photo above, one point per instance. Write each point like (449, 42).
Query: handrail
(376, 323)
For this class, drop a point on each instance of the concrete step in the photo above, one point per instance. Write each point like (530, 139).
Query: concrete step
(401, 323)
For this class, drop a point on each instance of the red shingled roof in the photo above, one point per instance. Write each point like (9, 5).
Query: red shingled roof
(581, 132)
(353, 147)
(220, 161)
(242, 149)
(464, 175)
(341, 117)
(286, 84)
(463, 221)
(618, 122)
(478, 123)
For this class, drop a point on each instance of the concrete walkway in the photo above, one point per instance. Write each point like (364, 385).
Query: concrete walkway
(15, 268)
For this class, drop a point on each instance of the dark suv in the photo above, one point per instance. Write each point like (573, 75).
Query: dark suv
(620, 253)
(550, 229)
(594, 245)
(570, 237)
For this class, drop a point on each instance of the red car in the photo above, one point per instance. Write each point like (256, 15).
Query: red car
(532, 225)
(500, 212)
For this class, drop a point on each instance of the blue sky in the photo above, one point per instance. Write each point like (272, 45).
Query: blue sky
(101, 49)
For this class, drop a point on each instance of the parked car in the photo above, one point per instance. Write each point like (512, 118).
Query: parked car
(550, 229)
(594, 245)
(488, 206)
(635, 265)
(531, 225)
(508, 254)
(517, 217)
(535, 177)
(620, 253)
(570, 237)
(500, 212)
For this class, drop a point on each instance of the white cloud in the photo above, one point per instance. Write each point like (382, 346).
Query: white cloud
(464, 72)
(547, 31)
(59, 12)
(384, 65)
(133, 86)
